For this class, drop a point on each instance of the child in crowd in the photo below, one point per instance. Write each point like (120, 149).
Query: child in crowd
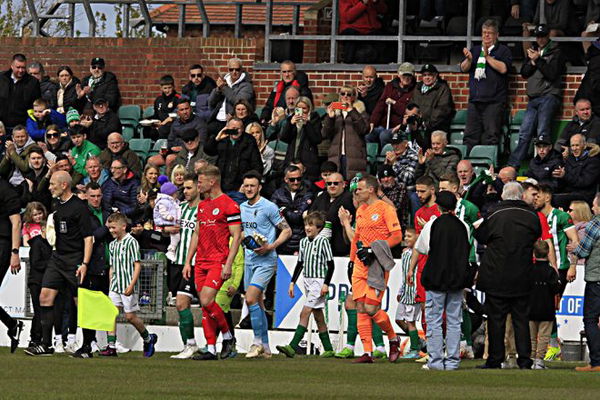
(168, 213)
(82, 149)
(315, 260)
(164, 105)
(40, 117)
(541, 303)
(125, 268)
(409, 310)
(34, 221)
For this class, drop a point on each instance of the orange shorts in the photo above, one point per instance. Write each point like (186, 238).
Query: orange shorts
(208, 275)
(361, 291)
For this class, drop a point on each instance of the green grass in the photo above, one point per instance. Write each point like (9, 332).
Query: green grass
(132, 376)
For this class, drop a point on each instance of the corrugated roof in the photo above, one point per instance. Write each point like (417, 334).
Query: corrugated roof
(225, 14)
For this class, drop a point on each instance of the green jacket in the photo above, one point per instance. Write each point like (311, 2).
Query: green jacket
(82, 153)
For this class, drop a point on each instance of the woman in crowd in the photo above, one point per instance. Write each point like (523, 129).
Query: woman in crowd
(66, 95)
(346, 128)
(56, 143)
(266, 153)
(581, 214)
(244, 111)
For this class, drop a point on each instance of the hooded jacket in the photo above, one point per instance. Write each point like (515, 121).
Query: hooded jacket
(509, 233)
(277, 98)
(200, 94)
(37, 129)
(545, 77)
(401, 95)
(17, 98)
(120, 195)
(436, 105)
(230, 94)
(373, 94)
(107, 87)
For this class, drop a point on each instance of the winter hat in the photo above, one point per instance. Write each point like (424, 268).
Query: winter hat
(168, 188)
(162, 179)
(72, 115)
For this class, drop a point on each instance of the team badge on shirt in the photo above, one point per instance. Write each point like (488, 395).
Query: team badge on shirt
(375, 217)
(216, 211)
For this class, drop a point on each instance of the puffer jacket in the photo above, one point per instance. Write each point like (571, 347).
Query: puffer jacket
(199, 94)
(37, 129)
(231, 93)
(306, 140)
(436, 105)
(70, 98)
(292, 211)
(120, 195)
(582, 174)
(541, 169)
(352, 128)
(401, 95)
(439, 164)
(48, 87)
(107, 88)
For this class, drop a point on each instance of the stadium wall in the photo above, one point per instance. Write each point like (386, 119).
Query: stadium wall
(139, 63)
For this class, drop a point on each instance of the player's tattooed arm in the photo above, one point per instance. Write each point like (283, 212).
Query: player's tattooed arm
(284, 234)
(283, 225)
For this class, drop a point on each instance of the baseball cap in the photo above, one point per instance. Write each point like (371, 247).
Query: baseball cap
(99, 61)
(188, 135)
(406, 68)
(398, 137)
(385, 171)
(541, 30)
(446, 200)
(542, 140)
(100, 100)
(429, 68)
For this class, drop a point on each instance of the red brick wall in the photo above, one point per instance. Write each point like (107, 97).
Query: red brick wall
(139, 63)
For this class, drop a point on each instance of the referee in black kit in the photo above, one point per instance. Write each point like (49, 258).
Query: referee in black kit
(67, 266)
(10, 239)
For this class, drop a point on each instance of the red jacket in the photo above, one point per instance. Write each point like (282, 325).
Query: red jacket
(354, 14)
(395, 92)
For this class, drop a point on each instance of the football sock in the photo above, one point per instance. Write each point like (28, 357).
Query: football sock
(554, 335)
(298, 335)
(324, 336)
(47, 323)
(211, 348)
(465, 327)
(209, 326)
(257, 320)
(377, 336)
(145, 336)
(88, 336)
(112, 339)
(186, 324)
(58, 339)
(383, 320)
(414, 340)
(216, 313)
(265, 330)
(365, 327)
(352, 332)
(191, 342)
(71, 338)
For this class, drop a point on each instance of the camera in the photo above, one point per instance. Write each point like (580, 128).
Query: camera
(231, 132)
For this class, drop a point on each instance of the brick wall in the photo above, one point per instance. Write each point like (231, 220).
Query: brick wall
(139, 63)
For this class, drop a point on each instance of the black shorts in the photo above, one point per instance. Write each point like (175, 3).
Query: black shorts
(186, 287)
(96, 282)
(60, 272)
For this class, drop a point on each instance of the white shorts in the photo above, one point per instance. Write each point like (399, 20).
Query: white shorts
(408, 312)
(312, 291)
(129, 303)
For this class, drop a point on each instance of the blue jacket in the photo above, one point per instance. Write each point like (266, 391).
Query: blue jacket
(494, 88)
(292, 211)
(122, 196)
(37, 129)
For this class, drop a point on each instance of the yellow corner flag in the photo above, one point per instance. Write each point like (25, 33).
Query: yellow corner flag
(95, 310)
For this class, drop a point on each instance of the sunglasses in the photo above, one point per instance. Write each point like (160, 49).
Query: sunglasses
(52, 135)
(195, 75)
(294, 179)
(188, 140)
(333, 183)
(235, 69)
(349, 94)
(97, 67)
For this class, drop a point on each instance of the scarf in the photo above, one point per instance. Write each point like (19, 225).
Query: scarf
(60, 96)
(280, 88)
(480, 70)
(425, 88)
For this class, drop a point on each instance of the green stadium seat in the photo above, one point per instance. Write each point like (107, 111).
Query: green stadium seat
(460, 147)
(484, 153)
(372, 151)
(514, 141)
(457, 137)
(157, 146)
(130, 115)
(258, 111)
(280, 149)
(321, 111)
(459, 121)
(141, 147)
(382, 153)
(477, 168)
(128, 133)
(148, 112)
(516, 121)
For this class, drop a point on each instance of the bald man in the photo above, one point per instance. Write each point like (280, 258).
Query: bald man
(484, 194)
(464, 170)
(68, 263)
(117, 148)
(370, 88)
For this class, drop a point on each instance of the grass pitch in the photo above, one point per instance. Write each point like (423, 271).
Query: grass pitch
(132, 376)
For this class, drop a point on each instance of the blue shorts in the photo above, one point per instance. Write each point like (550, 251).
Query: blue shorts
(259, 275)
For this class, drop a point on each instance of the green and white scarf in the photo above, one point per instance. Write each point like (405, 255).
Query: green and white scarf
(480, 69)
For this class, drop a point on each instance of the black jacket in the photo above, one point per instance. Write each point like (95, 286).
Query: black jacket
(104, 126)
(98, 262)
(301, 82)
(107, 88)
(590, 84)
(164, 105)
(373, 95)
(545, 287)
(582, 174)
(590, 129)
(17, 98)
(292, 211)
(178, 127)
(509, 233)
(339, 245)
(39, 192)
(234, 160)
(448, 257)
(306, 142)
(10, 206)
(545, 77)
(48, 88)
(541, 169)
(70, 96)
